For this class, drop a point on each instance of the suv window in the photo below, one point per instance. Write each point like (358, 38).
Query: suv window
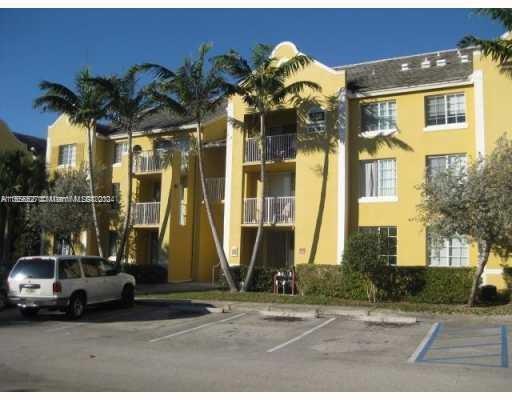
(92, 267)
(69, 269)
(34, 268)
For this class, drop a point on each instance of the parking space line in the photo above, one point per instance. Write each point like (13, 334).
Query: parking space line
(301, 335)
(427, 341)
(196, 328)
(504, 347)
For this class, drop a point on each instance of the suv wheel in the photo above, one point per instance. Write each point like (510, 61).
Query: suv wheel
(29, 312)
(76, 306)
(128, 296)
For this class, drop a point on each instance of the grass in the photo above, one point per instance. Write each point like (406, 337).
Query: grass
(259, 297)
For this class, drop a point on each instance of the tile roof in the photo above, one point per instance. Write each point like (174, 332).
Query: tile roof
(388, 73)
(37, 144)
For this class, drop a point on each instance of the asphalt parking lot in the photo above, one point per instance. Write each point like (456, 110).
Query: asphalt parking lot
(155, 347)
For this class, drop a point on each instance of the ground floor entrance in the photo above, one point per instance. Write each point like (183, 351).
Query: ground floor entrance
(276, 249)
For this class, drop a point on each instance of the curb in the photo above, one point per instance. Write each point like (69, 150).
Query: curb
(290, 314)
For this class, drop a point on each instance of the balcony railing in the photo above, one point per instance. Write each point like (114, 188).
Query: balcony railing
(148, 162)
(277, 210)
(146, 213)
(215, 189)
(277, 147)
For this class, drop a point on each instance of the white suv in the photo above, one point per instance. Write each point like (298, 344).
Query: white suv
(67, 283)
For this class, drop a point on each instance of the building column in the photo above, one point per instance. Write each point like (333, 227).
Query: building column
(342, 217)
(228, 177)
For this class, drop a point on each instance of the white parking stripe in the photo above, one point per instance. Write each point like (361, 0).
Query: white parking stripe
(196, 328)
(414, 356)
(301, 335)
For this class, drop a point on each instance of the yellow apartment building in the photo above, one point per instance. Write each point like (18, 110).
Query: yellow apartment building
(348, 158)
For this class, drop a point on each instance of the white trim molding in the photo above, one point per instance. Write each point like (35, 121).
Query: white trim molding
(378, 199)
(228, 179)
(382, 132)
(296, 51)
(342, 222)
(445, 127)
(478, 78)
(412, 88)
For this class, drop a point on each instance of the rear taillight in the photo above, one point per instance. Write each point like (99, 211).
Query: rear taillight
(57, 287)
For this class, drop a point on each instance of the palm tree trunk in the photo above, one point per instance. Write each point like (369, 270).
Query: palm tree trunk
(218, 245)
(484, 250)
(7, 235)
(90, 133)
(261, 206)
(126, 225)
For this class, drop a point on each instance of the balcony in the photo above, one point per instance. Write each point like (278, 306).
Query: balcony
(148, 162)
(277, 148)
(277, 211)
(215, 189)
(146, 214)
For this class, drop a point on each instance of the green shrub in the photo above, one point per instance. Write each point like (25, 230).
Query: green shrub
(147, 274)
(411, 284)
(262, 279)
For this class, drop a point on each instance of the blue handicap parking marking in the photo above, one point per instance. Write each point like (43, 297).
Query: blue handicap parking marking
(471, 346)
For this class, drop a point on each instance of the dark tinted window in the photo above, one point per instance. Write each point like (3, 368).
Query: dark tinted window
(92, 267)
(69, 269)
(35, 269)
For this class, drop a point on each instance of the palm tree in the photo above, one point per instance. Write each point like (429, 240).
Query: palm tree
(262, 84)
(195, 89)
(500, 50)
(84, 107)
(127, 104)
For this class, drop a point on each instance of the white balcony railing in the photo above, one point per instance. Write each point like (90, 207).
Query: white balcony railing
(148, 162)
(215, 189)
(277, 210)
(277, 147)
(146, 213)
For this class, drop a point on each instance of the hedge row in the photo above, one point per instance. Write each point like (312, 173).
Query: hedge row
(412, 284)
(261, 282)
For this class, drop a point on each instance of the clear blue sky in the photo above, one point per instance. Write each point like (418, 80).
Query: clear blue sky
(54, 44)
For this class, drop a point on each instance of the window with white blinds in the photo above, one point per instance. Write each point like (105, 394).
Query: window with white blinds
(441, 163)
(378, 178)
(453, 252)
(67, 155)
(445, 109)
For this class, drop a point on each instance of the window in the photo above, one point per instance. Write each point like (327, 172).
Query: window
(445, 109)
(453, 252)
(378, 178)
(113, 241)
(67, 154)
(378, 116)
(387, 241)
(33, 268)
(183, 200)
(93, 267)
(438, 164)
(116, 193)
(316, 120)
(119, 150)
(69, 269)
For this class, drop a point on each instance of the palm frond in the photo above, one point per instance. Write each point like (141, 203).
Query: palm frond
(234, 64)
(55, 104)
(293, 65)
(499, 50)
(160, 72)
(294, 89)
(260, 54)
(503, 15)
(56, 89)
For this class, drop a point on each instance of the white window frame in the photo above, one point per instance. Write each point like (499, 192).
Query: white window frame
(447, 125)
(70, 160)
(379, 198)
(447, 244)
(378, 230)
(380, 130)
(448, 163)
(124, 150)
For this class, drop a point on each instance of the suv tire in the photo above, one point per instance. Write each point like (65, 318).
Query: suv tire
(128, 296)
(3, 299)
(76, 306)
